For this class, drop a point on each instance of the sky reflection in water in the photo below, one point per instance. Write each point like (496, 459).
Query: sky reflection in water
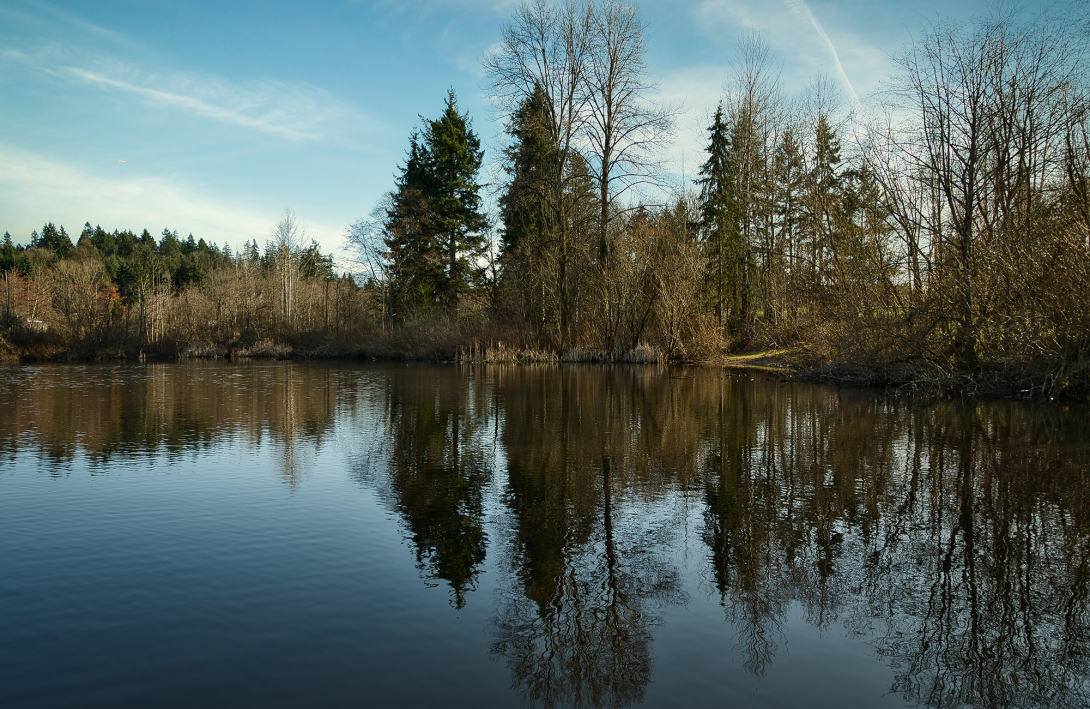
(290, 534)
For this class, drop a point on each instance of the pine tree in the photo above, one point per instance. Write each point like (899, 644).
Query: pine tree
(454, 159)
(169, 245)
(825, 196)
(84, 240)
(7, 253)
(410, 236)
(790, 170)
(719, 211)
(434, 227)
(525, 206)
(55, 239)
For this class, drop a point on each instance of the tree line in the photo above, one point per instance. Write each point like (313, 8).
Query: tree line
(945, 232)
(119, 293)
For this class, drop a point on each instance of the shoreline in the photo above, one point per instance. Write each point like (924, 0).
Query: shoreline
(918, 380)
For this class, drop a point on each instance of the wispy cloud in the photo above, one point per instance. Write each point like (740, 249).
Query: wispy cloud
(802, 42)
(115, 198)
(293, 111)
(44, 15)
(801, 9)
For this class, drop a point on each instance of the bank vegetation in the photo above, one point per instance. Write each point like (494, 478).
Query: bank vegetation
(941, 242)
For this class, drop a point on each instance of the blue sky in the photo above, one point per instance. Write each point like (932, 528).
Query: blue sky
(210, 117)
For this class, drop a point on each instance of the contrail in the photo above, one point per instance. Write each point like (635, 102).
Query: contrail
(799, 7)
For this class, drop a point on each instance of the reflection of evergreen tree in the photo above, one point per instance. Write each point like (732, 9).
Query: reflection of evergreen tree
(736, 529)
(438, 473)
(953, 538)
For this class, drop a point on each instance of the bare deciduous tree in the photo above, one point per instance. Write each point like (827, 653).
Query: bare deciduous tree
(624, 128)
(288, 235)
(546, 46)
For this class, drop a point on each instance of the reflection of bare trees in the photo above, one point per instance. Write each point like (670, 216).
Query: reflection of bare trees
(115, 412)
(953, 538)
(587, 572)
(996, 552)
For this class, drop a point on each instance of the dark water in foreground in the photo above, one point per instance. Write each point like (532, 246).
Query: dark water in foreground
(334, 535)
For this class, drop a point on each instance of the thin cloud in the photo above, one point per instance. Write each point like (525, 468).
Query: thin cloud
(279, 120)
(800, 8)
(293, 111)
(799, 39)
(69, 195)
(35, 18)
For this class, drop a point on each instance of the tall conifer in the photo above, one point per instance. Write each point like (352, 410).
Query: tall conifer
(434, 226)
(719, 210)
(526, 204)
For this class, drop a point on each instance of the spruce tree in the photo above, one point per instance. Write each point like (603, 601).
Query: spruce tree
(454, 159)
(525, 205)
(7, 253)
(410, 236)
(434, 228)
(790, 171)
(825, 197)
(719, 211)
(55, 239)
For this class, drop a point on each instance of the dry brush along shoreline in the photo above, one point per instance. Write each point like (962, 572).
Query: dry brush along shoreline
(918, 378)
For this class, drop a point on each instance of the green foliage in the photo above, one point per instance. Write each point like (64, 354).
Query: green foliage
(169, 246)
(720, 214)
(126, 243)
(7, 253)
(525, 204)
(189, 272)
(434, 226)
(313, 264)
(54, 239)
(136, 265)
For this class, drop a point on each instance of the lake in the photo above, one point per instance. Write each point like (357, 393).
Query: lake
(286, 534)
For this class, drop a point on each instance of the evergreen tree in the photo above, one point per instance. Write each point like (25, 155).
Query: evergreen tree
(104, 241)
(55, 239)
(719, 212)
(434, 226)
(126, 242)
(825, 195)
(454, 159)
(525, 204)
(169, 245)
(790, 171)
(84, 240)
(7, 253)
(410, 237)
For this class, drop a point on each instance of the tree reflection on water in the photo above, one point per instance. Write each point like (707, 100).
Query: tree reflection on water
(439, 461)
(586, 568)
(953, 537)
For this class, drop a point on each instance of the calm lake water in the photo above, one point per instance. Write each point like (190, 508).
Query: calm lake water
(287, 535)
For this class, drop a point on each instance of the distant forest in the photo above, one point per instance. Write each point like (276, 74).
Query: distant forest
(939, 240)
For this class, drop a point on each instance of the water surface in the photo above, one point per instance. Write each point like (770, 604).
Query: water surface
(290, 535)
